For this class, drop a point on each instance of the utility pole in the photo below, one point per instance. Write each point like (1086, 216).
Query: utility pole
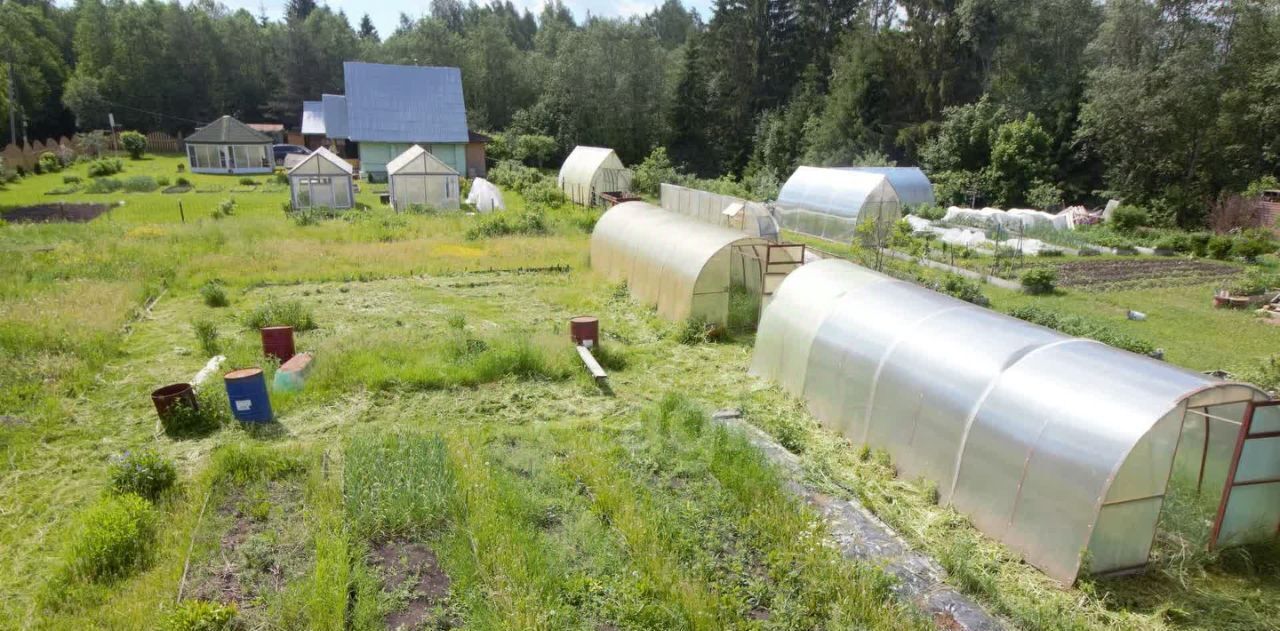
(13, 100)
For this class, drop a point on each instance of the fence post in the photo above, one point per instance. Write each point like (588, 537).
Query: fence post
(181, 214)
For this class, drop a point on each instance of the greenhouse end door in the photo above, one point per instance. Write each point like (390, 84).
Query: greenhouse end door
(1250, 508)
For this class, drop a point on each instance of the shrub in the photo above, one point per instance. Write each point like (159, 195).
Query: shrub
(140, 184)
(1044, 195)
(248, 181)
(1039, 280)
(162, 180)
(133, 142)
(210, 413)
(653, 171)
(143, 473)
(182, 181)
(534, 149)
(207, 335)
(104, 185)
(515, 176)
(71, 179)
(282, 177)
(287, 313)
(226, 208)
(1083, 327)
(958, 286)
(531, 222)
(201, 615)
(49, 162)
(1050, 252)
(544, 193)
(1173, 243)
(113, 539)
(214, 295)
(929, 211)
(1253, 243)
(1129, 218)
(105, 166)
(1198, 243)
(1255, 281)
(1219, 247)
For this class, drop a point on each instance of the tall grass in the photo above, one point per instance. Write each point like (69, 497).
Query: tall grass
(455, 357)
(396, 485)
(281, 313)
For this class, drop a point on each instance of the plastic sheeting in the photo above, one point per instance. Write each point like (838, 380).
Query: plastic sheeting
(752, 218)
(485, 196)
(681, 265)
(1015, 219)
(590, 171)
(1053, 445)
(912, 185)
(831, 203)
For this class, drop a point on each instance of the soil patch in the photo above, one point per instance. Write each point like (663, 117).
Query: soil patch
(1144, 272)
(259, 551)
(42, 213)
(413, 567)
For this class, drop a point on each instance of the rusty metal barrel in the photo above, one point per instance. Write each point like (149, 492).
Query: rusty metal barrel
(167, 398)
(277, 341)
(585, 331)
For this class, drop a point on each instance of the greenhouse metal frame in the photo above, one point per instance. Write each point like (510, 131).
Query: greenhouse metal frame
(590, 171)
(321, 180)
(1061, 448)
(681, 265)
(832, 203)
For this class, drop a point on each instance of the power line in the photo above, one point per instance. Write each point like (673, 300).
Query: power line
(161, 114)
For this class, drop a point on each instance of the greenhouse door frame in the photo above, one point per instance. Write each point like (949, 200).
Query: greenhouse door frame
(1246, 434)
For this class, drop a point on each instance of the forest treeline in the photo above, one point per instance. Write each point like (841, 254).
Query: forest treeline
(1166, 103)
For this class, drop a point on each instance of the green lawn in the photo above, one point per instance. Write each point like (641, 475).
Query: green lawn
(448, 463)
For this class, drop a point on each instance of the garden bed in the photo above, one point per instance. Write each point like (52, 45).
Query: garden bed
(179, 188)
(41, 213)
(1120, 273)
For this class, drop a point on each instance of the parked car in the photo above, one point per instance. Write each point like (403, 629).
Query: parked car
(280, 151)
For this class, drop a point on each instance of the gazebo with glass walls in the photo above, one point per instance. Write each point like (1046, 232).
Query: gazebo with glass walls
(228, 146)
(321, 180)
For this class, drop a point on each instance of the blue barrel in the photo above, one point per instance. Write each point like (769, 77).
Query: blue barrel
(247, 391)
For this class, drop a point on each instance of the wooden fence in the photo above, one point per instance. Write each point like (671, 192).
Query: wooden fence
(26, 156)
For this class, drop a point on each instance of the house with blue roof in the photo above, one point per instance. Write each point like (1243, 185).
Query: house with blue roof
(386, 109)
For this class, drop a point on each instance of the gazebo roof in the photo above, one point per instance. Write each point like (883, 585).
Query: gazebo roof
(228, 131)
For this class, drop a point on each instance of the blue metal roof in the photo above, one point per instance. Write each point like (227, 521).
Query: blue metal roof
(413, 104)
(335, 115)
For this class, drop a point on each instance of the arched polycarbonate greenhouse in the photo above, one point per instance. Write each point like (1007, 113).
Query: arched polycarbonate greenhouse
(681, 265)
(911, 184)
(832, 203)
(589, 172)
(1062, 448)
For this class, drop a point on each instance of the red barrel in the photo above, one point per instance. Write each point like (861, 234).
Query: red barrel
(585, 331)
(277, 341)
(172, 395)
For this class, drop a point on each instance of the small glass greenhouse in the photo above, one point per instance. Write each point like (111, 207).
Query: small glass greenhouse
(911, 184)
(831, 203)
(228, 146)
(1061, 448)
(321, 180)
(590, 171)
(417, 178)
(681, 265)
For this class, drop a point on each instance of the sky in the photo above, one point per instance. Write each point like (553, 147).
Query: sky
(386, 15)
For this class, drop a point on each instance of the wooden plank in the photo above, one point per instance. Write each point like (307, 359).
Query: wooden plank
(592, 365)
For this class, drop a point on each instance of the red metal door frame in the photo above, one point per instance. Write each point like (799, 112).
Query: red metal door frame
(1246, 434)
